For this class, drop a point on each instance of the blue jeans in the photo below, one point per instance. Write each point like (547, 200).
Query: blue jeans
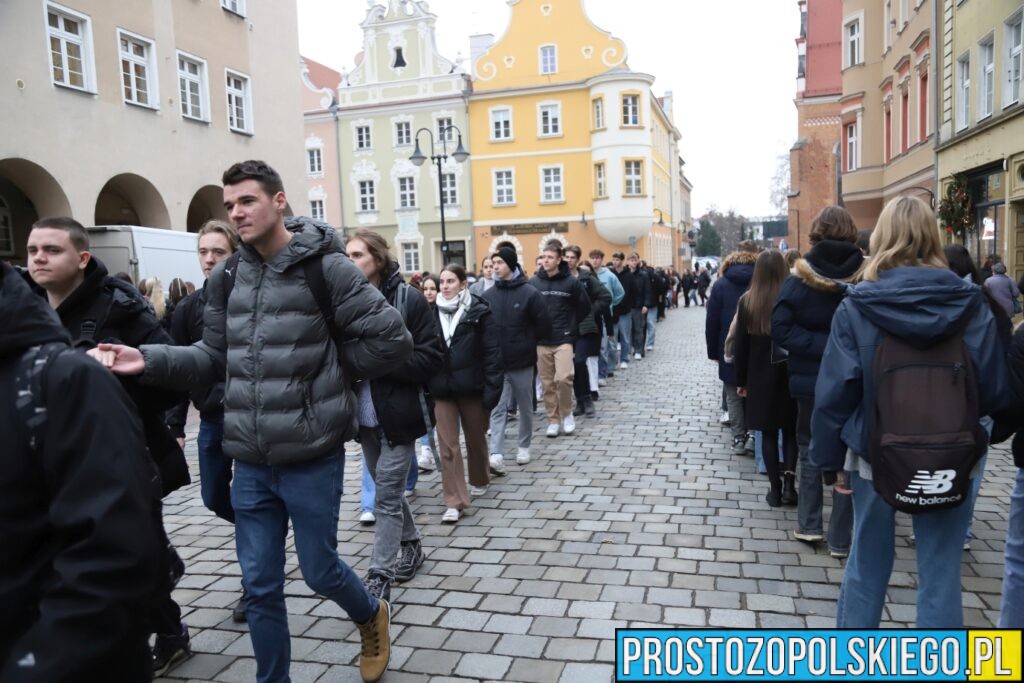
(265, 498)
(1011, 614)
(939, 549)
(625, 330)
(214, 471)
(369, 491)
(652, 321)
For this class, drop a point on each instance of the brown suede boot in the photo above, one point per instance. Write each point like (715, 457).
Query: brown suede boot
(376, 637)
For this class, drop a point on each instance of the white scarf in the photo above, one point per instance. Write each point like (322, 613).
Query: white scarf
(450, 313)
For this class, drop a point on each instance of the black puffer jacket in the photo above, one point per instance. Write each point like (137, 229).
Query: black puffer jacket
(600, 301)
(77, 513)
(521, 317)
(472, 361)
(628, 281)
(396, 395)
(187, 329)
(645, 294)
(567, 303)
(124, 317)
(802, 319)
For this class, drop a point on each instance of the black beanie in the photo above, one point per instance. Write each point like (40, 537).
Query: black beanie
(508, 255)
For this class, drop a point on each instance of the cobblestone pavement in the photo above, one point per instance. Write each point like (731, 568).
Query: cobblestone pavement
(643, 517)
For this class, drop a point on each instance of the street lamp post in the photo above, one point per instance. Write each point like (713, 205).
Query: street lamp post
(334, 108)
(418, 158)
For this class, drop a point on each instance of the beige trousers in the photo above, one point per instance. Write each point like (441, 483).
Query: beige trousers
(556, 371)
(470, 412)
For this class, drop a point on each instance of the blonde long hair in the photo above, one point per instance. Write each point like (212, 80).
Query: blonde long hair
(907, 234)
(152, 289)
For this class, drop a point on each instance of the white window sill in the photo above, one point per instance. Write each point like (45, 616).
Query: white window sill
(552, 201)
(233, 12)
(195, 119)
(319, 174)
(240, 131)
(504, 205)
(544, 136)
(140, 105)
(75, 88)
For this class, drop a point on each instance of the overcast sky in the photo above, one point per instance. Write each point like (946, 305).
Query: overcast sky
(731, 65)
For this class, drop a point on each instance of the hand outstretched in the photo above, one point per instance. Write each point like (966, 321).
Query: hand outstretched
(119, 359)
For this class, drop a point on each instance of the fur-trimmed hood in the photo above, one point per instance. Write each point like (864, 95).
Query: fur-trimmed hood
(829, 266)
(737, 258)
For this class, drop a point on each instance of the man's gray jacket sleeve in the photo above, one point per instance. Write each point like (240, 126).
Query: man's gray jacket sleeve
(202, 364)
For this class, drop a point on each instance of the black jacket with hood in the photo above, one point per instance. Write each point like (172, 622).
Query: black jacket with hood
(187, 329)
(628, 282)
(472, 362)
(123, 316)
(77, 513)
(601, 302)
(521, 317)
(807, 301)
(396, 395)
(567, 303)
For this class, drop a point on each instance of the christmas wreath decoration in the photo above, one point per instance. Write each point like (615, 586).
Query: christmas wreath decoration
(956, 210)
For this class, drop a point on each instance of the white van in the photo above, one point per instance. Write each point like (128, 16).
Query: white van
(147, 252)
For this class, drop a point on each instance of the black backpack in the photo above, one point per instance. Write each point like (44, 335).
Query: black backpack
(926, 437)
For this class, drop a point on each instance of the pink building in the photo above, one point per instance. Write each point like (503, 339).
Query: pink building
(320, 195)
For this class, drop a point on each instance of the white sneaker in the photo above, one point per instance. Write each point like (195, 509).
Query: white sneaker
(553, 430)
(569, 425)
(623, 365)
(450, 516)
(523, 456)
(601, 382)
(409, 492)
(497, 463)
(637, 356)
(425, 460)
(724, 420)
(367, 518)
(477, 490)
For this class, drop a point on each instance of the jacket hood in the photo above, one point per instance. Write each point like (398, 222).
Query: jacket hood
(563, 272)
(835, 260)
(518, 279)
(95, 276)
(478, 307)
(25, 318)
(919, 305)
(737, 258)
(309, 237)
(390, 279)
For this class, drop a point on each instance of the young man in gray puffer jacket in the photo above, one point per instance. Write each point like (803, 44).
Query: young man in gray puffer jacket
(288, 404)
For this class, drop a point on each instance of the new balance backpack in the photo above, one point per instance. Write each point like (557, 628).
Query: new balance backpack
(925, 438)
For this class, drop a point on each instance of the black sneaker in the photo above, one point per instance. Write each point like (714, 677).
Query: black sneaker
(410, 559)
(580, 408)
(169, 651)
(238, 613)
(378, 585)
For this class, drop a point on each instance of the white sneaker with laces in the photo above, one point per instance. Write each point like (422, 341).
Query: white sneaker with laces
(569, 424)
(425, 460)
(497, 464)
(623, 365)
(477, 490)
(637, 356)
(553, 430)
(450, 516)
(523, 456)
(367, 518)
(725, 421)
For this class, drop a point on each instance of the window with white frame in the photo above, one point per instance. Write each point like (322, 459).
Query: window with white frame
(316, 209)
(634, 178)
(364, 140)
(445, 131)
(600, 180)
(192, 87)
(854, 43)
(551, 184)
(504, 187)
(501, 124)
(548, 59)
(410, 257)
(550, 119)
(70, 47)
(631, 110)
(599, 113)
(403, 134)
(1014, 59)
(367, 195)
(963, 91)
(239, 94)
(450, 189)
(987, 73)
(6, 229)
(236, 6)
(852, 156)
(407, 192)
(137, 70)
(315, 161)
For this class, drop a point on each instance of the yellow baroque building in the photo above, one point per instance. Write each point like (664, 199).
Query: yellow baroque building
(568, 143)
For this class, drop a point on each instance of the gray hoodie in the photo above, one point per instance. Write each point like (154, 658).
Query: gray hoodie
(287, 398)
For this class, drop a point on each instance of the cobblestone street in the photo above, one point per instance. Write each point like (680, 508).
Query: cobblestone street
(643, 517)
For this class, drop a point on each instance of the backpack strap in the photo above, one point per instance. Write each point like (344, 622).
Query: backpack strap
(30, 402)
(402, 301)
(94, 319)
(230, 273)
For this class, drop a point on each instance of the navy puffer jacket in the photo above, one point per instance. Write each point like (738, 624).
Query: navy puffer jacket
(734, 279)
